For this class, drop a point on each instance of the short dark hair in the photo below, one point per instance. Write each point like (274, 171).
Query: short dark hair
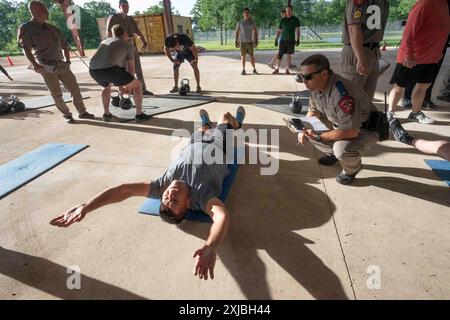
(171, 40)
(118, 30)
(318, 60)
(289, 6)
(247, 9)
(168, 216)
(283, 11)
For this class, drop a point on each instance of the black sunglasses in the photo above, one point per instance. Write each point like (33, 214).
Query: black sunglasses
(308, 77)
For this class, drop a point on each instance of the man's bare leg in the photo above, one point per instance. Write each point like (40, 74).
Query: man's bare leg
(394, 97)
(106, 96)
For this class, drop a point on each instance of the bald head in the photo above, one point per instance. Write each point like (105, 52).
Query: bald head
(38, 11)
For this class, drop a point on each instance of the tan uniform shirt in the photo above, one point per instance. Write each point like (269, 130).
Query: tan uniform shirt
(345, 104)
(356, 13)
(127, 22)
(46, 40)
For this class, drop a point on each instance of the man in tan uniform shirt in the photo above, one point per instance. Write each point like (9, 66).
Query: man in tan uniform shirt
(48, 42)
(132, 30)
(345, 107)
(361, 37)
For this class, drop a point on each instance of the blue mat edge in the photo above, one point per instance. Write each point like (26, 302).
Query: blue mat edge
(440, 171)
(80, 146)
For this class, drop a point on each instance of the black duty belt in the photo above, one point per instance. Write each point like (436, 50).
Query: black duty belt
(372, 45)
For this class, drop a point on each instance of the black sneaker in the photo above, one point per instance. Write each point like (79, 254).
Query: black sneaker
(147, 93)
(243, 73)
(108, 117)
(346, 179)
(444, 98)
(399, 133)
(143, 117)
(328, 160)
(174, 90)
(86, 115)
(428, 104)
(255, 72)
(406, 103)
(69, 118)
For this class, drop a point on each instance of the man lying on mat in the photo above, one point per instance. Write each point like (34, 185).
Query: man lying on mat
(187, 184)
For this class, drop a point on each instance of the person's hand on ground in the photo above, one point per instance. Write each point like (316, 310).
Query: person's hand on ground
(205, 262)
(76, 214)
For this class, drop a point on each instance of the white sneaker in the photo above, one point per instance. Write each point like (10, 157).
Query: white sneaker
(421, 117)
(390, 115)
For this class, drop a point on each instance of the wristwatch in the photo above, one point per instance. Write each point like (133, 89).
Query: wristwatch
(319, 137)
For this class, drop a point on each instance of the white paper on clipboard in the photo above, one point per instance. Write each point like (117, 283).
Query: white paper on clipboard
(312, 123)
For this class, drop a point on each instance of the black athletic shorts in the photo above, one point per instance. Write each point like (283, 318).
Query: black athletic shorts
(115, 75)
(421, 73)
(219, 135)
(286, 47)
(185, 55)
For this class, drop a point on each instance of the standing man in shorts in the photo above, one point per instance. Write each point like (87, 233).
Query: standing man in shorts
(107, 68)
(132, 30)
(289, 36)
(185, 49)
(247, 39)
(418, 57)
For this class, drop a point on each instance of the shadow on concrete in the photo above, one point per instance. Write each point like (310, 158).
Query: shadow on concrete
(33, 113)
(51, 278)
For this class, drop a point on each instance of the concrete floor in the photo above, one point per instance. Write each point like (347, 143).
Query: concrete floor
(296, 235)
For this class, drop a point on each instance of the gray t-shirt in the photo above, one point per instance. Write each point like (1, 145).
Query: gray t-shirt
(205, 180)
(246, 30)
(112, 52)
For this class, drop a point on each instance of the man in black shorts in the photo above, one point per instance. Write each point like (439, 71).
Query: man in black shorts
(289, 36)
(185, 50)
(107, 69)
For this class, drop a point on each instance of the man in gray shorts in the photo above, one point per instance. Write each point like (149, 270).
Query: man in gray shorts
(107, 68)
(187, 184)
(247, 39)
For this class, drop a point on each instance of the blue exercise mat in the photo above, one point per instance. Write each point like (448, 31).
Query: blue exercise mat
(20, 171)
(151, 206)
(441, 168)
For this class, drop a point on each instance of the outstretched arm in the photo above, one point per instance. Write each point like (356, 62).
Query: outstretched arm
(109, 196)
(206, 256)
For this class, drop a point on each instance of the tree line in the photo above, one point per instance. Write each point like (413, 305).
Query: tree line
(222, 15)
(207, 15)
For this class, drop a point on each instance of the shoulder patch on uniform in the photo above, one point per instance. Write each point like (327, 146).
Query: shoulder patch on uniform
(346, 103)
(359, 3)
(357, 14)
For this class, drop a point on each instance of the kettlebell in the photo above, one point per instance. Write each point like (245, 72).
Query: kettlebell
(5, 108)
(184, 87)
(295, 106)
(125, 102)
(16, 104)
(115, 99)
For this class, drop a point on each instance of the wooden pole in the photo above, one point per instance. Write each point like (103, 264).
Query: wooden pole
(168, 16)
(64, 5)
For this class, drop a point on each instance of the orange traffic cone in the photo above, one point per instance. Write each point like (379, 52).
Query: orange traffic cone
(10, 61)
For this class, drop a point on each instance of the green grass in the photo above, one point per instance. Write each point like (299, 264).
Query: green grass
(269, 44)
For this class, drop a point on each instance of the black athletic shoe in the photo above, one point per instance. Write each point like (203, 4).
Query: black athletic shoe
(346, 179)
(444, 98)
(399, 133)
(108, 117)
(69, 118)
(86, 115)
(143, 117)
(147, 93)
(428, 104)
(328, 160)
(406, 103)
